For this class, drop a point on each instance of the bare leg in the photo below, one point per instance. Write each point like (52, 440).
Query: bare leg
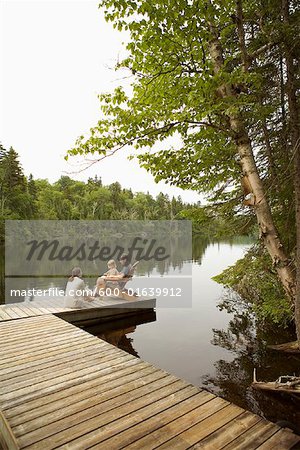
(126, 296)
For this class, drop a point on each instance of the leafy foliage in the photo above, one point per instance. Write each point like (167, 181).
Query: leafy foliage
(26, 198)
(175, 101)
(253, 278)
(177, 121)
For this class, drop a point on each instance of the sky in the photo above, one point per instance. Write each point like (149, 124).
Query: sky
(56, 57)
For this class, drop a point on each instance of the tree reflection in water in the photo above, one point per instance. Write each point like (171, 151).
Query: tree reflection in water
(116, 331)
(119, 339)
(247, 340)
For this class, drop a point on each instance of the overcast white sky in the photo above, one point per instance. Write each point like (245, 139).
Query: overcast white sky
(56, 57)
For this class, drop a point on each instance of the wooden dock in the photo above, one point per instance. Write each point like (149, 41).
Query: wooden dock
(61, 387)
(106, 307)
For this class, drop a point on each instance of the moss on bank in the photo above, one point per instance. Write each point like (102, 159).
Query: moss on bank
(256, 281)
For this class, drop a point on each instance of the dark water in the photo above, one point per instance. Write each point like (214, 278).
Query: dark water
(216, 343)
(210, 346)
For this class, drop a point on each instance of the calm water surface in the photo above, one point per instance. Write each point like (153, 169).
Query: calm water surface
(180, 340)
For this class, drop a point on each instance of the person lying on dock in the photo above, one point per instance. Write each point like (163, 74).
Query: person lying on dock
(75, 293)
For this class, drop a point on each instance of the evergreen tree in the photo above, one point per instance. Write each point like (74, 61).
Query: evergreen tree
(15, 200)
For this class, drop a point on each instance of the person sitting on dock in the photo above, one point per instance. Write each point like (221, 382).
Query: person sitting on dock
(75, 291)
(112, 269)
(126, 269)
(112, 272)
(120, 278)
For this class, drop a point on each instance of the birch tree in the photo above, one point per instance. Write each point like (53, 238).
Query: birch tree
(220, 79)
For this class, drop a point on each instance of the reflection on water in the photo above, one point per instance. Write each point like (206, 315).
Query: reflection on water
(248, 341)
(48, 248)
(215, 344)
(116, 332)
(178, 263)
(119, 339)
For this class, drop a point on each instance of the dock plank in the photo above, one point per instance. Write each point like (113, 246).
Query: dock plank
(3, 315)
(7, 437)
(100, 428)
(282, 439)
(205, 427)
(92, 404)
(22, 381)
(15, 311)
(234, 429)
(153, 431)
(48, 362)
(256, 436)
(54, 305)
(79, 397)
(61, 387)
(33, 387)
(9, 310)
(111, 377)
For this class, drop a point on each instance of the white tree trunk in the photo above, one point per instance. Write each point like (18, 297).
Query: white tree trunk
(268, 232)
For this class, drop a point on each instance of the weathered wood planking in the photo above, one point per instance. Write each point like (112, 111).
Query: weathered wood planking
(61, 387)
(107, 307)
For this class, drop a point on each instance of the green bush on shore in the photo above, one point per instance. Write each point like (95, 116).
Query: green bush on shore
(254, 278)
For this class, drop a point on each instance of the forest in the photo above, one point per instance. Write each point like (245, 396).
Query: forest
(24, 197)
(216, 83)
